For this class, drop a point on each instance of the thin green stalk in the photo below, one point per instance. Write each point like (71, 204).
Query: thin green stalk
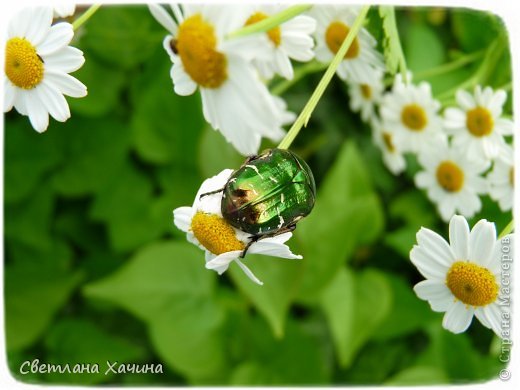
(299, 73)
(450, 66)
(306, 113)
(85, 16)
(270, 22)
(508, 229)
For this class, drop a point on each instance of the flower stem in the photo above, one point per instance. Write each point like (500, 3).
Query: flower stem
(450, 66)
(270, 22)
(85, 16)
(306, 113)
(299, 73)
(508, 229)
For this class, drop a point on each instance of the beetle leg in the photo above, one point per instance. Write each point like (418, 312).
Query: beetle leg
(211, 192)
(258, 237)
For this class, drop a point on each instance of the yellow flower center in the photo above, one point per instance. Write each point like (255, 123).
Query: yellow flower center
(215, 234)
(334, 37)
(414, 117)
(196, 44)
(274, 34)
(472, 284)
(387, 139)
(512, 176)
(23, 66)
(479, 121)
(366, 91)
(450, 176)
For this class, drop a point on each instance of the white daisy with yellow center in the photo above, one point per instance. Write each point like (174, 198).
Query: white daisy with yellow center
(501, 179)
(289, 40)
(362, 61)
(410, 113)
(392, 157)
(365, 97)
(452, 181)
(234, 99)
(477, 126)
(462, 276)
(37, 62)
(223, 244)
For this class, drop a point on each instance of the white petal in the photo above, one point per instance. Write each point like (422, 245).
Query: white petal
(182, 218)
(249, 273)
(38, 116)
(272, 247)
(426, 265)
(58, 37)
(66, 60)
(435, 246)
(465, 100)
(183, 85)
(39, 25)
(436, 293)
(458, 317)
(10, 93)
(54, 102)
(482, 242)
(459, 237)
(222, 261)
(493, 315)
(160, 14)
(66, 84)
(211, 203)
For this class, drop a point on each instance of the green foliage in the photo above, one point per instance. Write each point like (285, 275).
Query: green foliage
(96, 271)
(165, 286)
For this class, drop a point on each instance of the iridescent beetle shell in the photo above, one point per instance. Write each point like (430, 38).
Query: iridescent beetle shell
(269, 193)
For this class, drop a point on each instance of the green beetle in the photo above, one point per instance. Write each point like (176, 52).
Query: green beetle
(268, 194)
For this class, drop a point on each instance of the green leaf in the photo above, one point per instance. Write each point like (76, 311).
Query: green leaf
(28, 222)
(127, 206)
(355, 306)
(94, 151)
(124, 36)
(423, 47)
(418, 376)
(167, 287)
(338, 303)
(33, 295)
(408, 313)
(394, 56)
(28, 157)
(104, 84)
(297, 359)
(474, 29)
(166, 127)
(328, 235)
(82, 341)
(281, 279)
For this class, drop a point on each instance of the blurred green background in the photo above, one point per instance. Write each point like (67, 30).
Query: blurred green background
(95, 269)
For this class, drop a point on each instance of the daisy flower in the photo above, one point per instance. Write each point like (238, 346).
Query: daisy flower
(392, 157)
(463, 276)
(452, 181)
(362, 61)
(365, 97)
(234, 99)
(289, 40)
(37, 62)
(501, 180)
(223, 244)
(410, 113)
(477, 126)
